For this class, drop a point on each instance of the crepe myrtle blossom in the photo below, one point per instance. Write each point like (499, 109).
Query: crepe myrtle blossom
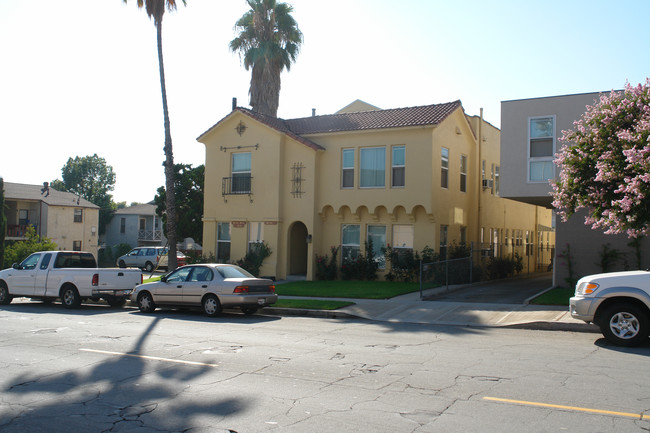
(604, 164)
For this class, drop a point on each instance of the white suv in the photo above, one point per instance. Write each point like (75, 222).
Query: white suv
(142, 257)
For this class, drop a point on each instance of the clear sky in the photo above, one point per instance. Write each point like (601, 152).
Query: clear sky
(81, 77)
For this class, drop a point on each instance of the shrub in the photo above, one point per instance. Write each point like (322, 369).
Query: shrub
(363, 267)
(253, 260)
(503, 267)
(405, 263)
(326, 266)
(18, 251)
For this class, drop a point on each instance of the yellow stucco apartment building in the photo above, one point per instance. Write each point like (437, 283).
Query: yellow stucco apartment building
(408, 177)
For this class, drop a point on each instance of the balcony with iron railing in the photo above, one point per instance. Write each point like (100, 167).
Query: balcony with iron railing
(236, 185)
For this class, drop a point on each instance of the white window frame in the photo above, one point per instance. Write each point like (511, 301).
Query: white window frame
(463, 173)
(543, 159)
(383, 181)
(223, 240)
(356, 247)
(377, 247)
(237, 188)
(345, 168)
(255, 234)
(444, 167)
(395, 166)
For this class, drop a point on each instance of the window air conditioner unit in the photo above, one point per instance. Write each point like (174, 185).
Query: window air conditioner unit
(487, 183)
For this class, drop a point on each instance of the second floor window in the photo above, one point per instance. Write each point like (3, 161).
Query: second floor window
(347, 168)
(444, 168)
(373, 167)
(78, 215)
(122, 225)
(241, 172)
(541, 148)
(398, 166)
(463, 173)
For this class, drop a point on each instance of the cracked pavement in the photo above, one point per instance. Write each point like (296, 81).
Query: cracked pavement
(117, 370)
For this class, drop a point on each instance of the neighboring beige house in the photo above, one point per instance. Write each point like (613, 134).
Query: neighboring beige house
(68, 220)
(530, 133)
(408, 177)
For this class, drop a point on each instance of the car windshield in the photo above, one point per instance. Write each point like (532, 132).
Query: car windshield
(233, 272)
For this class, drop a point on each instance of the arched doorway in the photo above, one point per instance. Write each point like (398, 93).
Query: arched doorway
(298, 249)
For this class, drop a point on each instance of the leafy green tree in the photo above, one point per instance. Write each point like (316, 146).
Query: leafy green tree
(3, 220)
(18, 251)
(188, 188)
(269, 41)
(156, 10)
(90, 178)
(605, 164)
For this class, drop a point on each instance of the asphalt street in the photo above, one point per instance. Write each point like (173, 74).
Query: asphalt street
(99, 369)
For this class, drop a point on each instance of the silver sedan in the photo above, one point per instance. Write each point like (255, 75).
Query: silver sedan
(209, 286)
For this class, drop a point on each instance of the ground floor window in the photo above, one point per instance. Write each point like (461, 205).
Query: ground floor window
(377, 235)
(76, 245)
(402, 244)
(350, 242)
(223, 242)
(255, 235)
(443, 242)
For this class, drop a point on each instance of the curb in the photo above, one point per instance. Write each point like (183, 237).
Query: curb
(537, 326)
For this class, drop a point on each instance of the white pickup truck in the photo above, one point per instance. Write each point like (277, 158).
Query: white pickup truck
(72, 276)
(618, 302)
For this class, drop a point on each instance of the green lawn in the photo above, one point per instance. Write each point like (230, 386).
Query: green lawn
(557, 296)
(311, 304)
(346, 289)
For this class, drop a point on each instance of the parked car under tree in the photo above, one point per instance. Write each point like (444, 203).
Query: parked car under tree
(211, 287)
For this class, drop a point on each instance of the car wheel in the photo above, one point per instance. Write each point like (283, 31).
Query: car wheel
(624, 325)
(249, 310)
(146, 303)
(211, 306)
(5, 297)
(121, 264)
(70, 297)
(116, 303)
(148, 266)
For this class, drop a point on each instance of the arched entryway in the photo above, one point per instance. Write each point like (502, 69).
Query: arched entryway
(298, 249)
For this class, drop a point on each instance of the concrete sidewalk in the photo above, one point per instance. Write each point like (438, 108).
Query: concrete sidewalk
(410, 309)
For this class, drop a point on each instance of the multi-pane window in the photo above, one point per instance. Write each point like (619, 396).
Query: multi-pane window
(377, 236)
(241, 173)
(541, 147)
(76, 245)
(372, 167)
(444, 168)
(23, 217)
(255, 235)
(347, 168)
(78, 215)
(398, 166)
(443, 241)
(350, 242)
(223, 242)
(463, 173)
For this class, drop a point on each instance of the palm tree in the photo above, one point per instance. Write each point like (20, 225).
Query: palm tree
(268, 41)
(156, 9)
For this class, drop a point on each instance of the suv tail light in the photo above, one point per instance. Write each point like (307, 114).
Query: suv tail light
(95, 280)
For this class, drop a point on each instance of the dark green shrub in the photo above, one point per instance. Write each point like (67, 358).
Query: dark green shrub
(253, 260)
(363, 267)
(326, 268)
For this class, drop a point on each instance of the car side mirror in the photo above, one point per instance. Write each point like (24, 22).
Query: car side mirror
(16, 266)
(163, 278)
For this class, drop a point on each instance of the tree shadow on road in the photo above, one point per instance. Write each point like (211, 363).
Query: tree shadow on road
(115, 392)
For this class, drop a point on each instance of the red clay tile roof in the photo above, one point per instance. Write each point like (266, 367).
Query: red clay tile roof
(363, 120)
(379, 119)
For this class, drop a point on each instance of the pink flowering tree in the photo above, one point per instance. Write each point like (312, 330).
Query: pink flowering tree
(605, 164)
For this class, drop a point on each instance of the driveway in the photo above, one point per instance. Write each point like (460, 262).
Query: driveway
(510, 291)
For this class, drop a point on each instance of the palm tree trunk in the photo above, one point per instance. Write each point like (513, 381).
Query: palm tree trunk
(169, 161)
